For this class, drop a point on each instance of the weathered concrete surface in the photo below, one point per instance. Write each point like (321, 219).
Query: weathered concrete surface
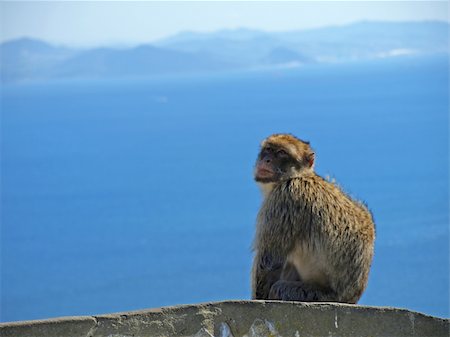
(241, 318)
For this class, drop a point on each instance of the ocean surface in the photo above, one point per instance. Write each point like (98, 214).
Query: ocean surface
(123, 195)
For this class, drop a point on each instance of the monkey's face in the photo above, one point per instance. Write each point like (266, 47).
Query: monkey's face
(272, 164)
(283, 157)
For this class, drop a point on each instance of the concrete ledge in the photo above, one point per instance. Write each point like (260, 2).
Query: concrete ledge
(241, 318)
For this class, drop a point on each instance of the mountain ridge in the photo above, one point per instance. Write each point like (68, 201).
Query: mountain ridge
(228, 49)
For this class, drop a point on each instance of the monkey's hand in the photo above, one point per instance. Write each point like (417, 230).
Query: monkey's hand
(276, 290)
(270, 263)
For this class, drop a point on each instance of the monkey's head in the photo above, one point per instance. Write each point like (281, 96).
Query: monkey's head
(283, 157)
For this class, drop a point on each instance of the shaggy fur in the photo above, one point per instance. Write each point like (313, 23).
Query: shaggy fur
(313, 242)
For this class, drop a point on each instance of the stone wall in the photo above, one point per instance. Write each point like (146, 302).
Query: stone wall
(240, 318)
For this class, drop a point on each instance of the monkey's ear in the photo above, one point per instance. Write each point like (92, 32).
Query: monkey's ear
(310, 157)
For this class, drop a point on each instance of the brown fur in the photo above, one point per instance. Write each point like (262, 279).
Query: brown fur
(313, 242)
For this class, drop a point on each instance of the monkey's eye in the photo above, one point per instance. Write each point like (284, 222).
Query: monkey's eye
(282, 153)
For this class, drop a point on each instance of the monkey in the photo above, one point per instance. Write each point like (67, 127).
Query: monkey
(313, 242)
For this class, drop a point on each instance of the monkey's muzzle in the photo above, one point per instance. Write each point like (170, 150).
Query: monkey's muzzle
(264, 170)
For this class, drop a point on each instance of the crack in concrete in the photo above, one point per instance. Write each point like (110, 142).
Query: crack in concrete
(94, 328)
(336, 319)
(412, 320)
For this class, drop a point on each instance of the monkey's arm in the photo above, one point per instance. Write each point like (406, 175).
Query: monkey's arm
(266, 271)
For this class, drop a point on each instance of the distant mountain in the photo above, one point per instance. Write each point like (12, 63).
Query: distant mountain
(30, 59)
(362, 40)
(141, 61)
(240, 34)
(365, 40)
(190, 52)
(283, 55)
(241, 46)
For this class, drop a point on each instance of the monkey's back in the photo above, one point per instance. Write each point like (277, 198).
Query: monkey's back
(327, 225)
(331, 210)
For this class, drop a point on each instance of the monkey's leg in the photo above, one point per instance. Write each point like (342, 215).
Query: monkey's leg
(266, 272)
(299, 291)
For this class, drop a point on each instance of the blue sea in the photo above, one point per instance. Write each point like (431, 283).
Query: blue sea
(130, 194)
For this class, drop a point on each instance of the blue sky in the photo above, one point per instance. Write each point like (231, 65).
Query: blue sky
(91, 23)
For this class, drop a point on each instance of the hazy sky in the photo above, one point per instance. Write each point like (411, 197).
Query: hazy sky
(89, 23)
